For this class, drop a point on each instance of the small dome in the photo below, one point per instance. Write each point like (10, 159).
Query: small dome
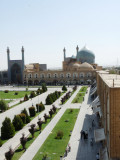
(86, 65)
(76, 65)
(85, 55)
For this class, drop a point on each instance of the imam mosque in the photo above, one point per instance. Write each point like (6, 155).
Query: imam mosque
(79, 69)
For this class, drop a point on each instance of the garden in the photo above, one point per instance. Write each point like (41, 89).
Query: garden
(80, 95)
(55, 145)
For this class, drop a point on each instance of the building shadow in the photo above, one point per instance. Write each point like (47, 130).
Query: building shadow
(85, 150)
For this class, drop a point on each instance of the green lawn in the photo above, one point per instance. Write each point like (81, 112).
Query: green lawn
(80, 95)
(54, 147)
(11, 94)
(18, 153)
(8, 101)
(84, 89)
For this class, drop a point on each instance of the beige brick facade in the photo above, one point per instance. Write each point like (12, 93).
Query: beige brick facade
(108, 87)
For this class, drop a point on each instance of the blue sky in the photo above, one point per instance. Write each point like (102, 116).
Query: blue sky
(45, 27)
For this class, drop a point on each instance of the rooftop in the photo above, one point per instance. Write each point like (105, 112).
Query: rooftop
(112, 80)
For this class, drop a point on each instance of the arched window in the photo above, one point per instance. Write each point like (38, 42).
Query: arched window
(61, 75)
(75, 75)
(36, 75)
(29, 75)
(55, 75)
(49, 75)
(68, 75)
(42, 75)
(89, 74)
(81, 74)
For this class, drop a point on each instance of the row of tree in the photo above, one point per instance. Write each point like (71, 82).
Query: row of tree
(8, 128)
(67, 95)
(32, 130)
(38, 92)
(52, 97)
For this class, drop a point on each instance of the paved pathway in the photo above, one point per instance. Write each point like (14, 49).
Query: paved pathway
(32, 150)
(15, 141)
(81, 149)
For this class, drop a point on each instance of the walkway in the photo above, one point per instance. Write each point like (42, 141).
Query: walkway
(33, 149)
(81, 149)
(15, 141)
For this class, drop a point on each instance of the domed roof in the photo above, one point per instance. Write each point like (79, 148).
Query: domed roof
(85, 55)
(86, 65)
(76, 65)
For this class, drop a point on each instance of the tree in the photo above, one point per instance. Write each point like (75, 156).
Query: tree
(32, 130)
(40, 122)
(49, 100)
(32, 94)
(9, 154)
(32, 111)
(44, 88)
(17, 122)
(27, 116)
(7, 129)
(64, 88)
(23, 141)
(3, 105)
(23, 117)
(26, 98)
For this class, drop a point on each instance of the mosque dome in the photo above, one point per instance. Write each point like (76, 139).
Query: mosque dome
(76, 65)
(86, 65)
(85, 55)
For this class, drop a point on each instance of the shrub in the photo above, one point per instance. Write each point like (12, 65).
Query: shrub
(32, 111)
(26, 89)
(71, 110)
(38, 91)
(23, 117)
(45, 156)
(16, 93)
(27, 116)
(57, 94)
(7, 129)
(41, 91)
(1, 143)
(17, 122)
(6, 91)
(40, 107)
(32, 94)
(44, 88)
(26, 98)
(59, 135)
(3, 105)
(64, 88)
(49, 100)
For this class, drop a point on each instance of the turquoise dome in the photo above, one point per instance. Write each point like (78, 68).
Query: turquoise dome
(85, 55)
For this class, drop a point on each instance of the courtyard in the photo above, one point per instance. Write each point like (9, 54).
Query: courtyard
(80, 149)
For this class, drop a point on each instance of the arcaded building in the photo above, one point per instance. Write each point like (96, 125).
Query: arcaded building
(79, 69)
(108, 88)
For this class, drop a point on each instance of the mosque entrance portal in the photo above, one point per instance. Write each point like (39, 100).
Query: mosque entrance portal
(16, 76)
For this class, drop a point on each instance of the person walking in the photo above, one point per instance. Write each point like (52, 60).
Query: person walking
(97, 156)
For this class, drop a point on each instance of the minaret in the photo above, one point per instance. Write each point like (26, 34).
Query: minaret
(22, 50)
(64, 51)
(77, 48)
(8, 58)
(8, 54)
